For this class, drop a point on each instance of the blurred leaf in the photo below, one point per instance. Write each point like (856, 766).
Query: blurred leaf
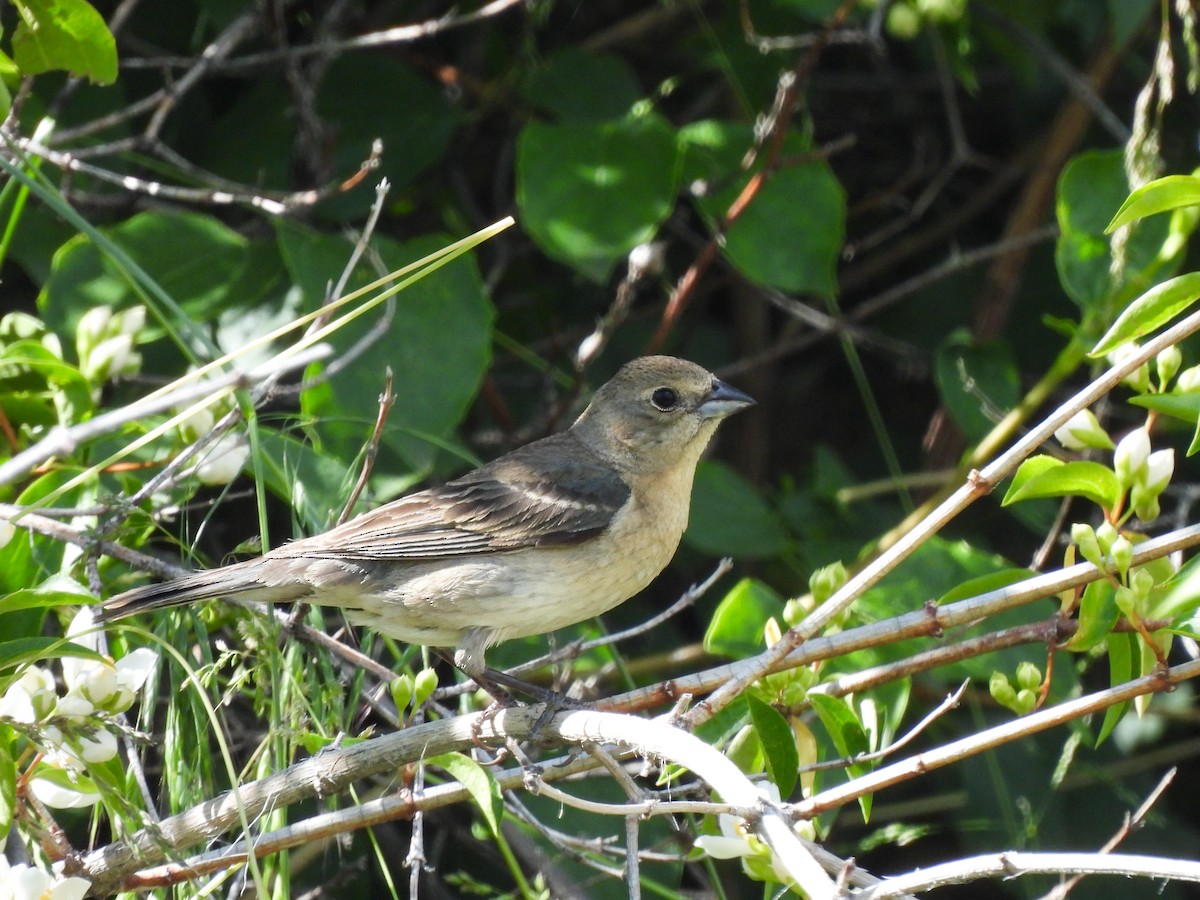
(847, 734)
(729, 518)
(736, 629)
(1183, 405)
(413, 118)
(64, 34)
(479, 784)
(978, 383)
(36, 650)
(1160, 195)
(1120, 670)
(790, 234)
(437, 342)
(38, 388)
(778, 744)
(1044, 476)
(1153, 309)
(57, 590)
(1098, 614)
(993, 581)
(582, 87)
(590, 193)
(8, 780)
(1091, 188)
(193, 257)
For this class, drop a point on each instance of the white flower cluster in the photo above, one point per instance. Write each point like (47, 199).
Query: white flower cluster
(104, 341)
(75, 729)
(24, 882)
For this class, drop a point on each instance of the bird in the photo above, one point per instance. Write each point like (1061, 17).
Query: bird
(552, 533)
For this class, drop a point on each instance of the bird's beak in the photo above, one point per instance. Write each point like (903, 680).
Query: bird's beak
(723, 400)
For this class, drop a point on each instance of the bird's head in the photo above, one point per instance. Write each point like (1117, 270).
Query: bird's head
(657, 412)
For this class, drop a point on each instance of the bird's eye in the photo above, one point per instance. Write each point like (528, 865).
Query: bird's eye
(664, 398)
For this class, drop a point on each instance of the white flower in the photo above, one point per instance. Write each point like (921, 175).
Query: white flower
(30, 698)
(60, 796)
(23, 882)
(224, 460)
(99, 747)
(1157, 472)
(1130, 456)
(1189, 379)
(7, 530)
(74, 707)
(111, 686)
(1084, 432)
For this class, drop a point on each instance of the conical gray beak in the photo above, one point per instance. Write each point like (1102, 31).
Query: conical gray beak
(723, 400)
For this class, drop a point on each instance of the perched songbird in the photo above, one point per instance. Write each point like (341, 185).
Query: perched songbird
(548, 535)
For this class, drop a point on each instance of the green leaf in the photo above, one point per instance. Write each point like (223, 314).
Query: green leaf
(976, 382)
(8, 780)
(583, 87)
(22, 651)
(39, 388)
(736, 629)
(842, 724)
(1090, 188)
(447, 362)
(1098, 615)
(1183, 405)
(194, 258)
(1120, 670)
(590, 193)
(778, 744)
(1044, 476)
(64, 34)
(1160, 195)
(479, 784)
(982, 584)
(790, 234)
(57, 590)
(1150, 311)
(730, 518)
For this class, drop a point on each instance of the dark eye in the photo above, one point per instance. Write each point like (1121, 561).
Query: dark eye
(664, 398)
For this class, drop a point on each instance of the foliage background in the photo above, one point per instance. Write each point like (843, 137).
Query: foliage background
(926, 240)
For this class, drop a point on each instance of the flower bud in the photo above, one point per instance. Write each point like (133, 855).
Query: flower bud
(1122, 554)
(1144, 503)
(224, 460)
(1002, 690)
(1029, 676)
(1139, 378)
(1130, 456)
(1157, 472)
(1167, 363)
(99, 747)
(402, 691)
(1189, 379)
(826, 581)
(1105, 535)
(7, 530)
(424, 684)
(1084, 537)
(1141, 582)
(1084, 432)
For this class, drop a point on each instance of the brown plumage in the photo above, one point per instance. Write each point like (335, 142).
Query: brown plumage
(555, 532)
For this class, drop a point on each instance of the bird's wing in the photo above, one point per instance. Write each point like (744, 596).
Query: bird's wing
(552, 492)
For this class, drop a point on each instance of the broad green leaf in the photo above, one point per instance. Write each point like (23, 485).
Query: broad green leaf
(842, 724)
(977, 382)
(1092, 186)
(730, 518)
(1098, 614)
(778, 744)
(1055, 478)
(438, 338)
(1120, 670)
(479, 784)
(40, 388)
(736, 629)
(1150, 311)
(64, 34)
(58, 590)
(790, 234)
(590, 193)
(1180, 595)
(1183, 405)
(578, 86)
(1160, 195)
(23, 651)
(194, 258)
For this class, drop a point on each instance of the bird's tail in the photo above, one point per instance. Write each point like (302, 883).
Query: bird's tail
(242, 579)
